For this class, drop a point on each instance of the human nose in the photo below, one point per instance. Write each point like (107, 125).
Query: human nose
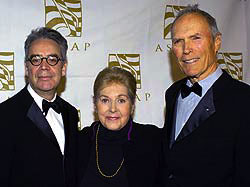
(44, 64)
(113, 107)
(187, 48)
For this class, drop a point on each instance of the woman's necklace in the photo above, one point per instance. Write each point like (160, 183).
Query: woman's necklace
(97, 158)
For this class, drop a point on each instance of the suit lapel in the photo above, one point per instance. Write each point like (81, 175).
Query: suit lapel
(203, 111)
(36, 116)
(172, 103)
(173, 121)
(66, 124)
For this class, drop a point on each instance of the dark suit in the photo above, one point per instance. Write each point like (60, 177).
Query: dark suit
(30, 155)
(212, 150)
(141, 154)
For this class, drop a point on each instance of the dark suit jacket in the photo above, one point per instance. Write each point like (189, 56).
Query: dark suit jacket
(30, 154)
(212, 150)
(141, 154)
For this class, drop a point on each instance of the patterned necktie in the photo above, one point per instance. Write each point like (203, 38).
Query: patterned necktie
(54, 105)
(186, 90)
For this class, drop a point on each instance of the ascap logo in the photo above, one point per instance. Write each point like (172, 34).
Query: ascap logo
(232, 63)
(170, 13)
(7, 71)
(129, 62)
(79, 125)
(64, 16)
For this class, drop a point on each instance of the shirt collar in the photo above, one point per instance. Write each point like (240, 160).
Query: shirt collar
(37, 98)
(208, 81)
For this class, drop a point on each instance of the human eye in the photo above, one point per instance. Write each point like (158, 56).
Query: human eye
(176, 41)
(104, 100)
(196, 37)
(53, 59)
(35, 59)
(121, 101)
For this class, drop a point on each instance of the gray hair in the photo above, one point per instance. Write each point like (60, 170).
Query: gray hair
(46, 33)
(194, 9)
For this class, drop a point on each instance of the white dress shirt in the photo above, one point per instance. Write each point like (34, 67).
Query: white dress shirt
(54, 119)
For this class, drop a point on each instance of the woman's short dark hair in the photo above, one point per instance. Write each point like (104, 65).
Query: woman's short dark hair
(115, 75)
(46, 33)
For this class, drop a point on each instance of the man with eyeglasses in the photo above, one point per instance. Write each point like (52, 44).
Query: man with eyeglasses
(38, 129)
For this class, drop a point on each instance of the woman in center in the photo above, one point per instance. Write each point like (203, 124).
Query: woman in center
(115, 151)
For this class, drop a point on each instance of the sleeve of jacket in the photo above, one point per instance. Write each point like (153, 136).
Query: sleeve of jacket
(242, 153)
(7, 146)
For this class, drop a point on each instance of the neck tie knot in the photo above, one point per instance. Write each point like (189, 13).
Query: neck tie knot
(54, 105)
(186, 90)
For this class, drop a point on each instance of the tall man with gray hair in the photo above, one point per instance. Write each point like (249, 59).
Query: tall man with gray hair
(38, 128)
(207, 123)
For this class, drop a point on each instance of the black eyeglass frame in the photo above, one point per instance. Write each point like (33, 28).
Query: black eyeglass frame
(41, 59)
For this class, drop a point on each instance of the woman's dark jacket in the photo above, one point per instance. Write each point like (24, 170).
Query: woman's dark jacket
(142, 154)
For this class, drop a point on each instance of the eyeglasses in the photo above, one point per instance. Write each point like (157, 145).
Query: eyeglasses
(36, 60)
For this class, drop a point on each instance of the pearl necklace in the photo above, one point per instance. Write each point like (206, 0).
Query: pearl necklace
(97, 158)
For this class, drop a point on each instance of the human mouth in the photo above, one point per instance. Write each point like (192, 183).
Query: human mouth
(112, 118)
(190, 61)
(44, 77)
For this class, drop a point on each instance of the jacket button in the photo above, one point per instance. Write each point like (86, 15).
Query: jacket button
(171, 176)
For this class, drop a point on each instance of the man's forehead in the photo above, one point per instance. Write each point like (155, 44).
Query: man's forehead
(44, 45)
(191, 24)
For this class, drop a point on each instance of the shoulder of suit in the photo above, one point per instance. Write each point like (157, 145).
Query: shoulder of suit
(67, 104)
(237, 85)
(240, 84)
(20, 99)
